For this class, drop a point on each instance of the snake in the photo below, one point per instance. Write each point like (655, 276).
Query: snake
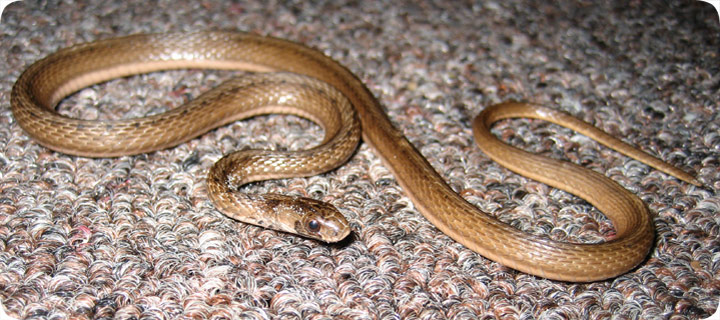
(291, 78)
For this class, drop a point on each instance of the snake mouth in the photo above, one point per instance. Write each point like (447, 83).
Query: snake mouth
(338, 235)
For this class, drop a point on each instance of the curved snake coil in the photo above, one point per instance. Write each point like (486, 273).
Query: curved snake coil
(324, 91)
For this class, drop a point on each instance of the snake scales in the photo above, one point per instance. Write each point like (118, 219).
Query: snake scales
(318, 88)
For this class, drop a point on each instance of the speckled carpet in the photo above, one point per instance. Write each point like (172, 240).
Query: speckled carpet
(137, 238)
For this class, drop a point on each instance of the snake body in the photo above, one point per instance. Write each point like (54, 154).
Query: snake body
(326, 85)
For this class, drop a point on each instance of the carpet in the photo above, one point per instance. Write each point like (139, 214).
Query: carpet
(136, 237)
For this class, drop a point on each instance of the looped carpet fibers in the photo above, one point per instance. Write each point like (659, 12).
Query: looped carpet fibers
(137, 238)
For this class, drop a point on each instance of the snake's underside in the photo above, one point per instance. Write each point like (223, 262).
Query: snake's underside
(318, 88)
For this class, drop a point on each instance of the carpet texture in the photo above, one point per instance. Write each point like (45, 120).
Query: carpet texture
(137, 237)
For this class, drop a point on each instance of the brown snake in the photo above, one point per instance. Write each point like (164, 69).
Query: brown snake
(45, 83)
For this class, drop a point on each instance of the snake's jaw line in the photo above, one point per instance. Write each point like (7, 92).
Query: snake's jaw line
(335, 230)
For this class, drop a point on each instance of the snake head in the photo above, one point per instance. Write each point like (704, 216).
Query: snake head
(320, 220)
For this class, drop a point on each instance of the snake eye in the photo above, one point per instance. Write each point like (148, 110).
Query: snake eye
(313, 225)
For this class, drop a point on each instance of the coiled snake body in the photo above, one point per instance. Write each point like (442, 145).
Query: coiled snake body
(318, 88)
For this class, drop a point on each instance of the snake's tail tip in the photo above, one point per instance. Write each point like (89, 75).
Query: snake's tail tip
(694, 181)
(686, 177)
